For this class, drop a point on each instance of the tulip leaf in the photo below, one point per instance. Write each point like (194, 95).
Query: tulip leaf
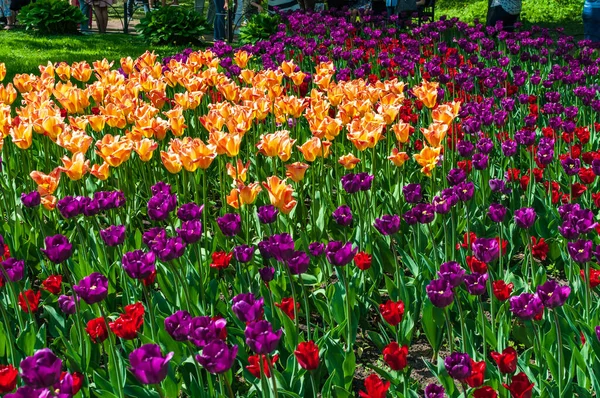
(26, 339)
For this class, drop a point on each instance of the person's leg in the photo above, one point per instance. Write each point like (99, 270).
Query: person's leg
(591, 24)
(85, 10)
(219, 33)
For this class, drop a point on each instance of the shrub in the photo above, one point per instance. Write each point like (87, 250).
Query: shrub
(172, 25)
(51, 17)
(259, 27)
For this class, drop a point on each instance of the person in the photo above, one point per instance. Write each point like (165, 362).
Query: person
(4, 11)
(131, 5)
(507, 11)
(15, 7)
(220, 12)
(101, 11)
(591, 20)
(390, 6)
(406, 9)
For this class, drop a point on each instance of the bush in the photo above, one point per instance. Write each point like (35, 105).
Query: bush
(259, 27)
(172, 25)
(51, 17)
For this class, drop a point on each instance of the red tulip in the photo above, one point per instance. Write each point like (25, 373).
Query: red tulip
(376, 388)
(77, 381)
(594, 277)
(507, 361)
(307, 355)
(30, 301)
(52, 284)
(127, 325)
(485, 392)
(8, 378)
(520, 386)
(392, 311)
(395, 356)
(539, 248)
(363, 261)
(477, 374)
(220, 260)
(476, 266)
(254, 367)
(287, 306)
(96, 328)
(501, 290)
(150, 279)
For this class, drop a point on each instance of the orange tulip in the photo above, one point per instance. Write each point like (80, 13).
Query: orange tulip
(2, 71)
(435, 134)
(280, 194)
(78, 122)
(366, 132)
(52, 126)
(100, 172)
(402, 131)
(247, 75)
(243, 195)
(241, 58)
(176, 121)
(171, 161)
(349, 161)
(97, 122)
(398, 158)
(193, 153)
(63, 70)
(445, 113)
(314, 148)
(296, 171)
(24, 83)
(8, 94)
(74, 140)
(47, 183)
(76, 167)
(21, 135)
(298, 77)
(145, 148)
(127, 65)
(427, 93)
(238, 173)
(49, 202)
(427, 159)
(114, 116)
(81, 71)
(114, 150)
(232, 144)
(276, 144)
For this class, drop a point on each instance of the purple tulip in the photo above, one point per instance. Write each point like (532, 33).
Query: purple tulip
(139, 265)
(58, 248)
(261, 338)
(424, 213)
(412, 193)
(441, 205)
(247, 307)
(243, 253)
(69, 207)
(267, 274)
(480, 161)
(161, 187)
(458, 365)
(67, 304)
(485, 146)
(497, 212)
(465, 191)
(178, 325)
(151, 236)
(509, 148)
(31, 199)
(161, 205)
(267, 214)
(342, 216)
(28, 392)
(387, 224)
(440, 293)
(113, 235)
(298, 263)
(42, 369)
(571, 166)
(190, 231)
(350, 183)
(452, 272)
(93, 288)
(525, 217)
(475, 283)
(340, 254)
(230, 224)
(14, 268)
(580, 251)
(316, 249)
(365, 181)
(435, 390)
(465, 148)
(217, 357)
(64, 388)
(553, 294)
(598, 332)
(456, 176)
(169, 249)
(281, 246)
(486, 249)
(148, 365)
(526, 306)
(190, 211)
(203, 330)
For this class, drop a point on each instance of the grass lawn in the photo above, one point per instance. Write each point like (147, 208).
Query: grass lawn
(23, 52)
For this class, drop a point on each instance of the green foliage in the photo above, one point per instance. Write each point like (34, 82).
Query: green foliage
(172, 25)
(259, 27)
(51, 17)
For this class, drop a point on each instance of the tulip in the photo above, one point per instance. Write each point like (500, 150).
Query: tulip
(204, 330)
(148, 365)
(496, 212)
(93, 288)
(261, 338)
(340, 254)
(526, 306)
(217, 357)
(307, 355)
(435, 391)
(230, 224)
(520, 386)
(67, 304)
(13, 268)
(525, 217)
(178, 325)
(376, 388)
(440, 293)
(243, 253)
(97, 330)
(553, 294)
(247, 307)
(189, 212)
(267, 214)
(113, 235)
(392, 311)
(458, 365)
(395, 356)
(506, 361)
(412, 193)
(31, 199)
(387, 224)
(298, 263)
(42, 369)
(8, 378)
(343, 216)
(190, 231)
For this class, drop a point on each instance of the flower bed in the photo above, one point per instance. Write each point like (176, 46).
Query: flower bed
(296, 217)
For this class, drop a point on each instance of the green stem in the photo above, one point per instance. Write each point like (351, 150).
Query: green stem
(273, 378)
(560, 353)
(463, 340)
(289, 274)
(307, 309)
(150, 310)
(348, 309)
(449, 330)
